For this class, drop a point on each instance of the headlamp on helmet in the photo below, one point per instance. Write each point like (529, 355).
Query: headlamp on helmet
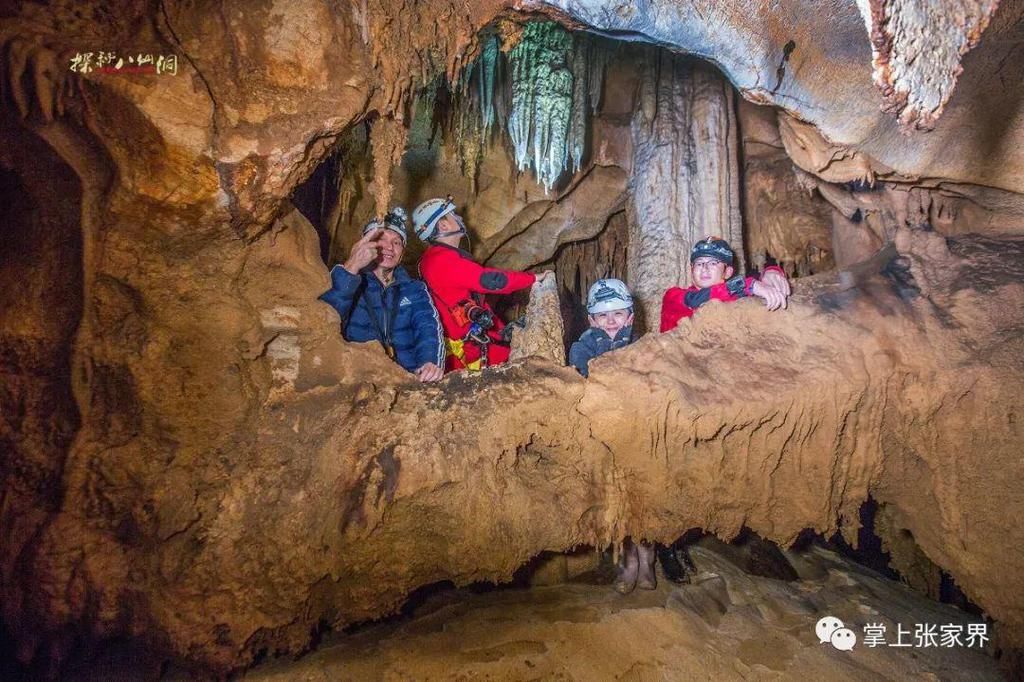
(712, 247)
(394, 220)
(429, 213)
(607, 295)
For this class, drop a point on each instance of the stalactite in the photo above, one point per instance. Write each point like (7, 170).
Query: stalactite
(487, 75)
(542, 94)
(589, 59)
(387, 143)
(599, 52)
(580, 103)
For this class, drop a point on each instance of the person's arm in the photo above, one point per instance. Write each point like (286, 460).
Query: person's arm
(426, 327)
(730, 290)
(673, 309)
(342, 294)
(736, 288)
(475, 277)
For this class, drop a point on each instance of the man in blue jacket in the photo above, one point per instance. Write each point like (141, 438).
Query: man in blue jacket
(378, 300)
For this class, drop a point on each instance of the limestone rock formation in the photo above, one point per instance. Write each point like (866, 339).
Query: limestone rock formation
(809, 59)
(194, 458)
(784, 217)
(685, 182)
(916, 49)
(727, 625)
(544, 336)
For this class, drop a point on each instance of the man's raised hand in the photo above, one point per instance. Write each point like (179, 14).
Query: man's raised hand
(364, 251)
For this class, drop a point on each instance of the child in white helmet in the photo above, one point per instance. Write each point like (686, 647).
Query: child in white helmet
(610, 308)
(610, 311)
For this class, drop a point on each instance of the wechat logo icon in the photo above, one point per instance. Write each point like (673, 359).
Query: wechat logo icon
(831, 630)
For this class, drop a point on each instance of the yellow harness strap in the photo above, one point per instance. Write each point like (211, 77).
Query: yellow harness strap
(455, 347)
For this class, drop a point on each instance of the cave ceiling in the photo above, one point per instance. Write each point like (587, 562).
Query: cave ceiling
(268, 89)
(815, 60)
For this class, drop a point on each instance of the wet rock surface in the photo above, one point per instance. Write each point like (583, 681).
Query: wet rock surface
(727, 624)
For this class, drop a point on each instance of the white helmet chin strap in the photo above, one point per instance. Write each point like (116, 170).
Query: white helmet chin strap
(462, 224)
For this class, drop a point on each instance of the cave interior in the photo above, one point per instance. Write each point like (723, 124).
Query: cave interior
(201, 477)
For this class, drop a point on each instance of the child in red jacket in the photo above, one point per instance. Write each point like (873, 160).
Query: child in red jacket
(711, 272)
(457, 284)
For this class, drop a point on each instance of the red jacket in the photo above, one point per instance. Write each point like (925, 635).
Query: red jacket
(452, 276)
(679, 303)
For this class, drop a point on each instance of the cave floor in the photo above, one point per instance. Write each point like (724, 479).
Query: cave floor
(726, 624)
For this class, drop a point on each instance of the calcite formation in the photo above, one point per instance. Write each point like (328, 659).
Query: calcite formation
(193, 457)
(543, 335)
(916, 48)
(685, 182)
(727, 625)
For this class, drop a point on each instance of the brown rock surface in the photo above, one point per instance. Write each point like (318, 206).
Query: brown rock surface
(544, 334)
(239, 475)
(727, 625)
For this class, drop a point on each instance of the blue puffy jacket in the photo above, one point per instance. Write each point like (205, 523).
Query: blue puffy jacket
(401, 316)
(596, 342)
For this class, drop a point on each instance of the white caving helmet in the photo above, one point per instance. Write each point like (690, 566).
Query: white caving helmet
(607, 295)
(395, 220)
(426, 215)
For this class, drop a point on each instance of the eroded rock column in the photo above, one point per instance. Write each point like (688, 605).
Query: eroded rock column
(685, 174)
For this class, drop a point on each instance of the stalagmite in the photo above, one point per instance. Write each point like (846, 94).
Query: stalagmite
(544, 330)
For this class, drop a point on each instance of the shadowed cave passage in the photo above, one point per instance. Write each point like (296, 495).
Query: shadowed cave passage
(196, 464)
(41, 292)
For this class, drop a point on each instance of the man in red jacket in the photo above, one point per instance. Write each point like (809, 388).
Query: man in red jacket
(457, 284)
(711, 272)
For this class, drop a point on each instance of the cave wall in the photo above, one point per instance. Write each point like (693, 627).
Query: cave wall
(230, 489)
(783, 217)
(514, 221)
(808, 58)
(41, 291)
(579, 264)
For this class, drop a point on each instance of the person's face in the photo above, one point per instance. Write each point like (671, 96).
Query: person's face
(448, 224)
(390, 248)
(612, 321)
(707, 271)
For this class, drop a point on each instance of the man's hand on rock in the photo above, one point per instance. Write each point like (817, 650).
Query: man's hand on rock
(543, 275)
(778, 280)
(773, 298)
(363, 252)
(429, 372)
